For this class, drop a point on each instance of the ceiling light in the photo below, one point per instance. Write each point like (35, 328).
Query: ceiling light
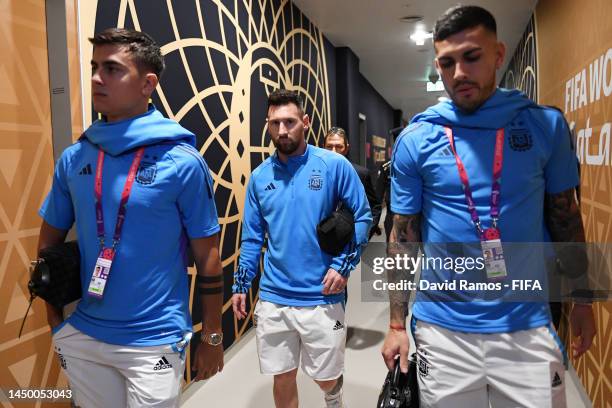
(420, 35)
(411, 19)
(437, 87)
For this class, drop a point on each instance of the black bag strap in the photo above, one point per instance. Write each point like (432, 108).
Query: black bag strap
(32, 297)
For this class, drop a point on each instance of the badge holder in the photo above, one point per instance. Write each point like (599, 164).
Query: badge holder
(493, 253)
(101, 272)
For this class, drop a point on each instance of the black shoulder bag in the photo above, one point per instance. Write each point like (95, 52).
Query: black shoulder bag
(337, 230)
(56, 276)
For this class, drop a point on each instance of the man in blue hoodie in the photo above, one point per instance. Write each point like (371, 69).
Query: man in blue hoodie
(300, 313)
(482, 168)
(140, 194)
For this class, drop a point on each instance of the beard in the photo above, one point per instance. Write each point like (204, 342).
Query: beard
(469, 106)
(287, 147)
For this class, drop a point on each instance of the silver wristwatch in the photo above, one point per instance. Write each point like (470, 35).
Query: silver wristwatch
(214, 339)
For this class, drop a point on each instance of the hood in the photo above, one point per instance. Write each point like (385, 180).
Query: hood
(147, 129)
(496, 112)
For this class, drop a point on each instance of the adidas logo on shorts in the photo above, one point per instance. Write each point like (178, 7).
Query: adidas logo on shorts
(62, 361)
(338, 325)
(556, 380)
(162, 364)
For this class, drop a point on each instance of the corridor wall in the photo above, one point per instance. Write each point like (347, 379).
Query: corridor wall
(565, 60)
(575, 74)
(356, 96)
(26, 165)
(380, 118)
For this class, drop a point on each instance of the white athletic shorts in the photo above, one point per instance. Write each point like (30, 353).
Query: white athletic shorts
(316, 335)
(106, 375)
(470, 370)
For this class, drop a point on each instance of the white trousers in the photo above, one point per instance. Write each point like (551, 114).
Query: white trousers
(506, 370)
(106, 375)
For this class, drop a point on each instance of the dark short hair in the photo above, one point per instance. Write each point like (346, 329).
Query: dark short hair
(280, 97)
(142, 46)
(459, 18)
(335, 130)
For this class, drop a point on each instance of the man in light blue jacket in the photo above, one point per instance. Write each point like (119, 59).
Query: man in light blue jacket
(300, 315)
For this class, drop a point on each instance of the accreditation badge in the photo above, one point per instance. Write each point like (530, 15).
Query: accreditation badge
(101, 273)
(493, 254)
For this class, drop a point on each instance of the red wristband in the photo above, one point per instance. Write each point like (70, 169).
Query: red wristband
(397, 327)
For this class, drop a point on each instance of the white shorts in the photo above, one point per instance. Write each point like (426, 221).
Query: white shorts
(106, 375)
(471, 370)
(316, 333)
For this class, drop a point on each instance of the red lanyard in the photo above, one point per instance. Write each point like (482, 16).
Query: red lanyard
(125, 195)
(495, 188)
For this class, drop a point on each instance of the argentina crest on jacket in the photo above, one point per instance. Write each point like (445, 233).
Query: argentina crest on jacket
(316, 181)
(146, 173)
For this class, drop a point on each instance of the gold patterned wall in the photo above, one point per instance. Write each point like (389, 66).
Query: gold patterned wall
(26, 163)
(575, 74)
(522, 71)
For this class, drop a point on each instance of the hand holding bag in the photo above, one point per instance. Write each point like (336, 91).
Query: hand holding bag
(400, 390)
(56, 275)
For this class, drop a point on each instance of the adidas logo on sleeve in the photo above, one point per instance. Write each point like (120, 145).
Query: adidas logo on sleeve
(85, 171)
(338, 325)
(162, 364)
(446, 152)
(270, 186)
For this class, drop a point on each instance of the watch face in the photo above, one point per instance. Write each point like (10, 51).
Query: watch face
(215, 339)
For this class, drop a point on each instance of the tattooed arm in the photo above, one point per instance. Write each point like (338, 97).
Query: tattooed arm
(404, 239)
(565, 225)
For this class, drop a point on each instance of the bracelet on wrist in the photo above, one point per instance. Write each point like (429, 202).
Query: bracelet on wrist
(397, 327)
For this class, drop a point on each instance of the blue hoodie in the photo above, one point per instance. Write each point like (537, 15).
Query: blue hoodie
(286, 202)
(537, 160)
(146, 300)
